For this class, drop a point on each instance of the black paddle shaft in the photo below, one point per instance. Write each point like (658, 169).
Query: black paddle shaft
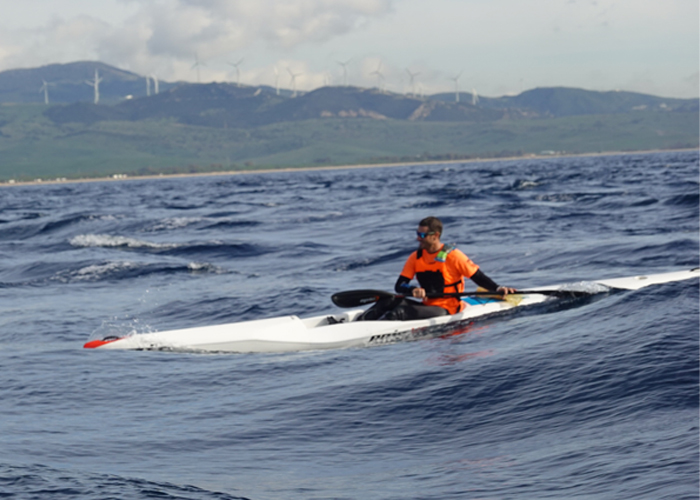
(358, 298)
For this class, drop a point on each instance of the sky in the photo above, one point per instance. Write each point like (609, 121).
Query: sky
(491, 47)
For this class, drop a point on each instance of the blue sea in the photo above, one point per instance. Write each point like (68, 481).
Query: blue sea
(583, 399)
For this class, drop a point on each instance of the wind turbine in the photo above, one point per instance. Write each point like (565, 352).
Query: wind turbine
(45, 89)
(456, 80)
(277, 81)
(196, 65)
(238, 73)
(155, 83)
(148, 86)
(294, 82)
(345, 71)
(475, 97)
(411, 77)
(380, 77)
(96, 85)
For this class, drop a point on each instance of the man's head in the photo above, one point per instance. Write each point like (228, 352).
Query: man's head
(432, 223)
(428, 234)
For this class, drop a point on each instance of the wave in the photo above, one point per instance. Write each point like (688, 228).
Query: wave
(39, 481)
(43, 274)
(203, 223)
(174, 223)
(523, 184)
(351, 264)
(108, 241)
(211, 248)
(219, 249)
(231, 224)
(20, 229)
(684, 200)
(128, 270)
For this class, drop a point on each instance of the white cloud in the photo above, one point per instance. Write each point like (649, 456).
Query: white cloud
(178, 28)
(502, 45)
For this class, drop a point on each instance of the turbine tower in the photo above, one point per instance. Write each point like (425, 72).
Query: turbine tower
(238, 73)
(155, 83)
(456, 80)
(380, 77)
(475, 97)
(196, 66)
(294, 82)
(96, 85)
(45, 89)
(412, 77)
(148, 86)
(345, 71)
(277, 81)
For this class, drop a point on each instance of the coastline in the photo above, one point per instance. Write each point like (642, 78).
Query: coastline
(125, 177)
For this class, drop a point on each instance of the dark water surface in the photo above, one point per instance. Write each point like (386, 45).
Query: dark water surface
(592, 400)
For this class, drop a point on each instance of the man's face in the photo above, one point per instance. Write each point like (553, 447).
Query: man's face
(425, 237)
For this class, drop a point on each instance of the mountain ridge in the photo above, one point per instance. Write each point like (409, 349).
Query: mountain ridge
(189, 127)
(125, 92)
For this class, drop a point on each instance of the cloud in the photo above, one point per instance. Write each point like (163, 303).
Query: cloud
(500, 44)
(163, 32)
(214, 27)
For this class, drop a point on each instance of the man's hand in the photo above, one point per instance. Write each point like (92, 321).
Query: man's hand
(505, 290)
(419, 293)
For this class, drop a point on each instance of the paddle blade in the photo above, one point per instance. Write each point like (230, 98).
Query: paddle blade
(357, 298)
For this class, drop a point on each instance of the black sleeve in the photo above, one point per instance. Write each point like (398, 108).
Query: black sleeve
(484, 281)
(402, 286)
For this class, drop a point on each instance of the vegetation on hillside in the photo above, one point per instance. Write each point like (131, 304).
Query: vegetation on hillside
(220, 126)
(32, 146)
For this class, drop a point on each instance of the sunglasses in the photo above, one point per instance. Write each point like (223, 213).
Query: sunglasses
(423, 235)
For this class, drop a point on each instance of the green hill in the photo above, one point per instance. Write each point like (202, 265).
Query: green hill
(67, 83)
(562, 101)
(32, 146)
(221, 126)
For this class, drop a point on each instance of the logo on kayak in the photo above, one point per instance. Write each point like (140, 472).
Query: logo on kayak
(388, 338)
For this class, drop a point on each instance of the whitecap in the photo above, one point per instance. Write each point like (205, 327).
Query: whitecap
(204, 267)
(175, 223)
(95, 272)
(525, 184)
(109, 241)
(116, 327)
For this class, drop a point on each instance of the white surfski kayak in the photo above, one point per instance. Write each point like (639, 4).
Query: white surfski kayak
(291, 333)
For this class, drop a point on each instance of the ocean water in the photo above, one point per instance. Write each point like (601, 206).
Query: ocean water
(586, 399)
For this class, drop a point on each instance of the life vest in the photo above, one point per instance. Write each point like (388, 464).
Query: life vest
(431, 276)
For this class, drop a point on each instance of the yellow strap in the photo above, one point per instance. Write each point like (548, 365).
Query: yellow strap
(512, 298)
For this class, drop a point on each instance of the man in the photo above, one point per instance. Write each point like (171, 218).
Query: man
(440, 269)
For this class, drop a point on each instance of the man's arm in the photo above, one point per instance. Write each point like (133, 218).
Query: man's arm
(485, 282)
(403, 286)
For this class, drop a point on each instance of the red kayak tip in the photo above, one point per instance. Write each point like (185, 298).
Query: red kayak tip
(94, 344)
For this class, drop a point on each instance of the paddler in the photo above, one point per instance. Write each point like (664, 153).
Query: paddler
(440, 269)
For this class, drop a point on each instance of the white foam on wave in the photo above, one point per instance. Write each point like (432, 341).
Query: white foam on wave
(96, 272)
(175, 223)
(526, 184)
(319, 217)
(109, 241)
(108, 217)
(205, 267)
(116, 327)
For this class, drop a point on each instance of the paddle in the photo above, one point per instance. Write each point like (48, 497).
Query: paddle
(356, 298)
